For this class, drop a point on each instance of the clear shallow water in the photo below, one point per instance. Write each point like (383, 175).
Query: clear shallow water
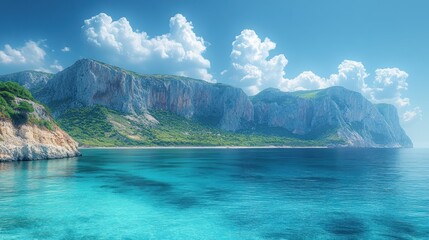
(219, 194)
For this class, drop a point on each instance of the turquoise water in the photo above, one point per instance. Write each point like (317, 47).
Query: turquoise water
(219, 194)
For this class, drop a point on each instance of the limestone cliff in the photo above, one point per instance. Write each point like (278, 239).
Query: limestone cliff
(33, 80)
(27, 131)
(337, 114)
(346, 114)
(89, 83)
(32, 142)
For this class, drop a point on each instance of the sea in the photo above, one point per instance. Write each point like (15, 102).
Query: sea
(262, 193)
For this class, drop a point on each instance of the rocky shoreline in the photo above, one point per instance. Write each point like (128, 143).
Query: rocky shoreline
(31, 142)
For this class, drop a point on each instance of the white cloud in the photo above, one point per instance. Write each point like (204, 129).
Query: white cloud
(304, 81)
(252, 69)
(65, 49)
(388, 87)
(30, 53)
(351, 75)
(56, 66)
(30, 56)
(415, 113)
(180, 49)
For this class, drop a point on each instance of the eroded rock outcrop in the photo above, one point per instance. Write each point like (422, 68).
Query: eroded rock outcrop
(347, 114)
(32, 142)
(89, 83)
(27, 131)
(33, 80)
(335, 113)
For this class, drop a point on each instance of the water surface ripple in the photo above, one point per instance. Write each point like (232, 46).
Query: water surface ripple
(219, 194)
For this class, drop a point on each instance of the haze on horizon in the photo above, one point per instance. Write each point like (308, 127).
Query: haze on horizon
(377, 49)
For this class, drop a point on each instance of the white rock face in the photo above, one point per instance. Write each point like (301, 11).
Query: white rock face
(30, 142)
(356, 121)
(32, 80)
(33, 142)
(312, 115)
(89, 83)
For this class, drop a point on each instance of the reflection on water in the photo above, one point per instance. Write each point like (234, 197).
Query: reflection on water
(219, 194)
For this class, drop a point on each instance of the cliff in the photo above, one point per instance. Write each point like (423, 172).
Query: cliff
(27, 132)
(335, 111)
(32, 80)
(90, 83)
(330, 117)
(31, 142)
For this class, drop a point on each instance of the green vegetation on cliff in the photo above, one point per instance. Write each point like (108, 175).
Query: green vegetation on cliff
(15, 89)
(90, 127)
(99, 126)
(19, 111)
(196, 112)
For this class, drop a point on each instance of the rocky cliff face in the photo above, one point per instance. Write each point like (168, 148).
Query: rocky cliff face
(336, 110)
(34, 140)
(31, 142)
(395, 130)
(89, 83)
(32, 80)
(338, 113)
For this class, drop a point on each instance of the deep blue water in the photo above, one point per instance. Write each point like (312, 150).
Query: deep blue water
(219, 194)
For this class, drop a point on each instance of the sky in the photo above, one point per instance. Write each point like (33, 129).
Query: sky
(378, 48)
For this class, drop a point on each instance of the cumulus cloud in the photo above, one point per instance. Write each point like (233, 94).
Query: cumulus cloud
(180, 49)
(388, 87)
(65, 49)
(305, 81)
(351, 75)
(253, 69)
(30, 56)
(30, 53)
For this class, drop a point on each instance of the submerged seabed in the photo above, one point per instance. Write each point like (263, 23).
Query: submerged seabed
(219, 194)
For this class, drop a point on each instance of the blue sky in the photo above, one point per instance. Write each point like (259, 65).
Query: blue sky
(379, 48)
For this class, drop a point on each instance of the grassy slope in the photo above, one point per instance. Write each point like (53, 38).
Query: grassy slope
(99, 126)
